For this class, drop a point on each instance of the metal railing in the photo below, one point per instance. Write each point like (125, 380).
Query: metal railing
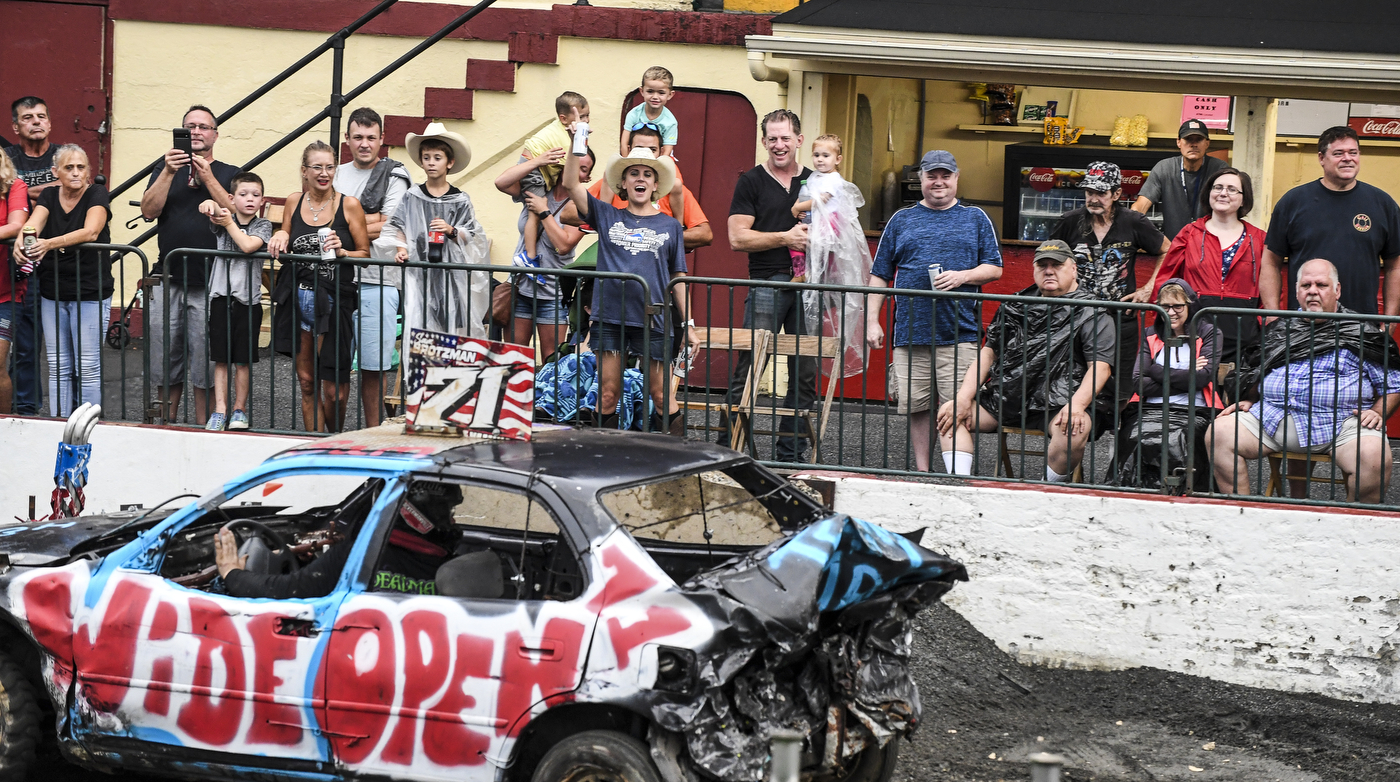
(1290, 348)
(1138, 444)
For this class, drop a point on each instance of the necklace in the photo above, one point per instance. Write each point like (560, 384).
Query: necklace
(316, 211)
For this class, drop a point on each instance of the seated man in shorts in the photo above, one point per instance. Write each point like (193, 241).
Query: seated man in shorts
(1327, 386)
(1045, 363)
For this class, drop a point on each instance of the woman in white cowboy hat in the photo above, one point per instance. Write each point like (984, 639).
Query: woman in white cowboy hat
(436, 223)
(639, 240)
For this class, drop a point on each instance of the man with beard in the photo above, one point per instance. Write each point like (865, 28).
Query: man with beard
(1106, 240)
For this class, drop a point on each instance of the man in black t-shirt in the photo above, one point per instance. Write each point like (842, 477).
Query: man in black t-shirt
(177, 316)
(33, 155)
(761, 224)
(33, 159)
(1106, 239)
(1354, 225)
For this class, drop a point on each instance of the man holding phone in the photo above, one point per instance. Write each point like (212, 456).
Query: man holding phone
(940, 244)
(177, 314)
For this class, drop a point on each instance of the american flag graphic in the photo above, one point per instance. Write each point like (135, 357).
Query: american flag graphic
(469, 383)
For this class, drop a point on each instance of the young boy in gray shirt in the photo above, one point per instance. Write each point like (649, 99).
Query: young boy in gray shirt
(235, 296)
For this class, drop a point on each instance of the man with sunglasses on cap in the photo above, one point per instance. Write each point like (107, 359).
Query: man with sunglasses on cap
(1175, 183)
(1042, 367)
(423, 538)
(1106, 240)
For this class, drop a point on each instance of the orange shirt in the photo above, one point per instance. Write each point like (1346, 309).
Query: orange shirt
(693, 215)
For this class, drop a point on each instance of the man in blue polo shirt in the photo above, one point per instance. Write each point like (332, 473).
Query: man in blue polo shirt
(938, 243)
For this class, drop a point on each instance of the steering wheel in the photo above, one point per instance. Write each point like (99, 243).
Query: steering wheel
(262, 549)
(271, 536)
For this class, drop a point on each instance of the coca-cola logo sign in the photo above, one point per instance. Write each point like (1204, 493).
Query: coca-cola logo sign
(1041, 179)
(1133, 181)
(1376, 127)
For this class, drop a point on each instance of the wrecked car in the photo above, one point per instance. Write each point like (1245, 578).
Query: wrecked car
(616, 605)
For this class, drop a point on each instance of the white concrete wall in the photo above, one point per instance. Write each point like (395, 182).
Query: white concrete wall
(130, 463)
(1295, 600)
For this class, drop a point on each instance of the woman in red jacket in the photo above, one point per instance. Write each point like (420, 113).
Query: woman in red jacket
(1220, 256)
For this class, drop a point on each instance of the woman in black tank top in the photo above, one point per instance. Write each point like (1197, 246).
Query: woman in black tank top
(314, 300)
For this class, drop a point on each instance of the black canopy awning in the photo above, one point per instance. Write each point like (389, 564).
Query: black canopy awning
(1305, 25)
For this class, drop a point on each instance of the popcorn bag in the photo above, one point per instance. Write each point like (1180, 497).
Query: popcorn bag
(1129, 131)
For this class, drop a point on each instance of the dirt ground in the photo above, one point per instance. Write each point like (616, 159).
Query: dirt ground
(984, 714)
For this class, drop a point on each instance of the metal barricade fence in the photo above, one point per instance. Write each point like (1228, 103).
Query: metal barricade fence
(59, 318)
(724, 391)
(1355, 360)
(344, 354)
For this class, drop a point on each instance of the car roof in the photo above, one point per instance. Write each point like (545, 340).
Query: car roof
(594, 457)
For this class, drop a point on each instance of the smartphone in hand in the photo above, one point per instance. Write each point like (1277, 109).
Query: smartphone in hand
(182, 141)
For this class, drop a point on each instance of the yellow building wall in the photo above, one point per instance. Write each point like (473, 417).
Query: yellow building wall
(153, 85)
(981, 155)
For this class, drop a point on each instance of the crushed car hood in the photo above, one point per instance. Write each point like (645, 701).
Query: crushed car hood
(48, 542)
(810, 629)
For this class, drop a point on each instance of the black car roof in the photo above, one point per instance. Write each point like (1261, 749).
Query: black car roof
(590, 457)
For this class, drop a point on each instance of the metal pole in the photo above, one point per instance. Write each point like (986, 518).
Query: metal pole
(337, 100)
(1045, 767)
(785, 755)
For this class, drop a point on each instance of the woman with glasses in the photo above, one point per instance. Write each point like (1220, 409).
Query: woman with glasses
(320, 297)
(1219, 255)
(1170, 404)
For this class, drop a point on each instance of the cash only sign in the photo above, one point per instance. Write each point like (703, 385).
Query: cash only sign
(464, 384)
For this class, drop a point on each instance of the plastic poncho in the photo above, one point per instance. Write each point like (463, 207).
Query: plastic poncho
(455, 302)
(837, 254)
(1294, 339)
(1041, 355)
(569, 384)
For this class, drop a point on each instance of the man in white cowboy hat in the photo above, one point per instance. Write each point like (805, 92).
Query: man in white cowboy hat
(637, 239)
(436, 223)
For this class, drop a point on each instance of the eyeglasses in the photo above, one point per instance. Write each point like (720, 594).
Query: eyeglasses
(198, 126)
(647, 125)
(1175, 307)
(321, 169)
(1226, 189)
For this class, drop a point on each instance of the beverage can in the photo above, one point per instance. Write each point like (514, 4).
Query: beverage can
(30, 235)
(934, 269)
(326, 254)
(580, 138)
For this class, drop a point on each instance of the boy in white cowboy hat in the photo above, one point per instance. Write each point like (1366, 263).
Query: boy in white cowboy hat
(436, 223)
(637, 239)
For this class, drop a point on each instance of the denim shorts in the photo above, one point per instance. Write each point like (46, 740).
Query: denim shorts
(306, 308)
(7, 312)
(548, 311)
(608, 338)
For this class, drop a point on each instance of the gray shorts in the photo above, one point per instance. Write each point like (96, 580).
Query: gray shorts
(1286, 437)
(188, 336)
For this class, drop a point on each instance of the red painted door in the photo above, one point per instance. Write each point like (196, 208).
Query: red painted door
(55, 51)
(717, 142)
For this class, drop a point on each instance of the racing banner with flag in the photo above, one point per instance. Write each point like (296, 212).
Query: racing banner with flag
(469, 383)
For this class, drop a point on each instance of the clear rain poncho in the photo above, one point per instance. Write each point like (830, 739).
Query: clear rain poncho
(837, 254)
(454, 302)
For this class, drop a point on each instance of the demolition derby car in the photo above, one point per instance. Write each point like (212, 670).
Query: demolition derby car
(615, 605)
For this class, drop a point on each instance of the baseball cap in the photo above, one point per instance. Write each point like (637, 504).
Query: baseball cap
(937, 159)
(1193, 127)
(1102, 176)
(1054, 250)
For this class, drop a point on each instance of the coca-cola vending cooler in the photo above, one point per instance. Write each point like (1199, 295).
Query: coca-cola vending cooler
(1042, 183)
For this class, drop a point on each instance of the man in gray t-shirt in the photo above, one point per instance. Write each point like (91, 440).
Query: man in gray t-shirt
(1176, 184)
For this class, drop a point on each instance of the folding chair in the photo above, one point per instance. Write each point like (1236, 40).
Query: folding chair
(1276, 472)
(1004, 465)
(733, 417)
(813, 347)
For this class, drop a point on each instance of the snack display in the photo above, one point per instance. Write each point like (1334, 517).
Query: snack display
(1129, 131)
(1058, 131)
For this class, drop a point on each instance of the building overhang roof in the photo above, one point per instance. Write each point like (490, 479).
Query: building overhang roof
(1092, 64)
